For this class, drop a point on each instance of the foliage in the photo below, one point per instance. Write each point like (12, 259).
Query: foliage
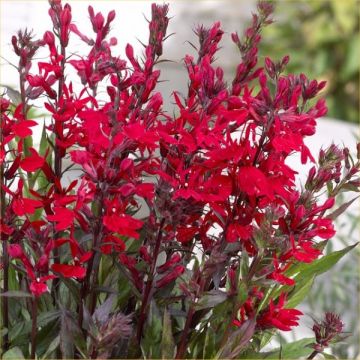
(323, 39)
(227, 245)
(342, 295)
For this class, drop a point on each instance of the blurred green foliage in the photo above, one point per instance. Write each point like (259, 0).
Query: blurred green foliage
(322, 39)
(341, 295)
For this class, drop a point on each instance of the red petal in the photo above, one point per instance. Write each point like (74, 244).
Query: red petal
(33, 162)
(69, 271)
(38, 288)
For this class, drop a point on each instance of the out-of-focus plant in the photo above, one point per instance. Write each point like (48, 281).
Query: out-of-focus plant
(345, 280)
(323, 39)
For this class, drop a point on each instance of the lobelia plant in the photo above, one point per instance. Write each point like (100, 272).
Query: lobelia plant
(227, 244)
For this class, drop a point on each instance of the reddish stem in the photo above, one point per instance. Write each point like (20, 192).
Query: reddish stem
(33, 328)
(57, 171)
(147, 292)
(181, 350)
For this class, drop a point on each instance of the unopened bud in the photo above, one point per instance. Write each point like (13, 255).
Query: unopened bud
(285, 60)
(15, 46)
(235, 38)
(111, 16)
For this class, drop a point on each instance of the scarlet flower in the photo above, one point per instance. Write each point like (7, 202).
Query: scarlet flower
(236, 231)
(171, 276)
(20, 205)
(123, 224)
(254, 182)
(63, 217)
(277, 316)
(69, 271)
(278, 275)
(33, 162)
(22, 128)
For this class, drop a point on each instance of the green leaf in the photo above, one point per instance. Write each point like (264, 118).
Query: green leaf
(211, 299)
(45, 337)
(305, 274)
(43, 142)
(299, 293)
(209, 344)
(15, 294)
(242, 294)
(150, 344)
(68, 331)
(318, 266)
(351, 66)
(349, 187)
(294, 350)
(14, 95)
(238, 340)
(244, 264)
(52, 347)
(167, 341)
(45, 317)
(328, 356)
(101, 314)
(72, 286)
(341, 209)
(13, 353)
(266, 338)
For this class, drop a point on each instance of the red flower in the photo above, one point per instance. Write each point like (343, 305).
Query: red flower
(33, 162)
(39, 287)
(123, 224)
(236, 231)
(171, 276)
(69, 271)
(279, 317)
(22, 206)
(253, 182)
(22, 128)
(112, 243)
(185, 234)
(302, 250)
(63, 216)
(278, 275)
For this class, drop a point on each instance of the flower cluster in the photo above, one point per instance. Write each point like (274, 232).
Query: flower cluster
(219, 162)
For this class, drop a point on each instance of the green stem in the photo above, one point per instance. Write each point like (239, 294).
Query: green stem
(33, 328)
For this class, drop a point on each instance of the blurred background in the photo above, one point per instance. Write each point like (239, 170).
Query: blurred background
(322, 39)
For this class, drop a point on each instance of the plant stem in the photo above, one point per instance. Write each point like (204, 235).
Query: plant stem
(4, 300)
(96, 258)
(313, 354)
(89, 283)
(5, 258)
(33, 328)
(147, 292)
(58, 170)
(184, 336)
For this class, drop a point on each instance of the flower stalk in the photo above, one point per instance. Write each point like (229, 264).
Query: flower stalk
(34, 313)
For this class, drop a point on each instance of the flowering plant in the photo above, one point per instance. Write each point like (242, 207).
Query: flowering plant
(227, 243)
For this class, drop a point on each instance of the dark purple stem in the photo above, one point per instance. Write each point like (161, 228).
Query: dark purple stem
(147, 292)
(33, 328)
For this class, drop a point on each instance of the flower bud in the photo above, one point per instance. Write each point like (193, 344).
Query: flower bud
(235, 38)
(111, 16)
(15, 251)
